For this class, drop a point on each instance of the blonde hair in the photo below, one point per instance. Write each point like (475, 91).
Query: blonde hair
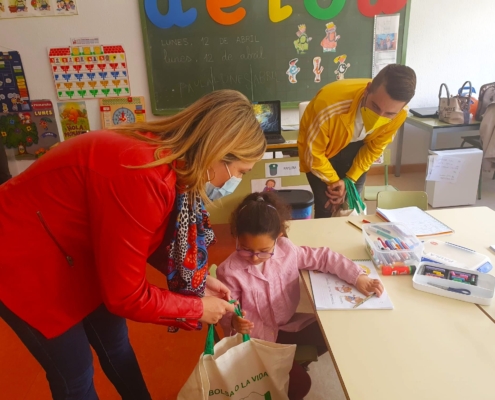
(221, 126)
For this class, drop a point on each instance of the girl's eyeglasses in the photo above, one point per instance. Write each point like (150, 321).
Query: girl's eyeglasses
(248, 253)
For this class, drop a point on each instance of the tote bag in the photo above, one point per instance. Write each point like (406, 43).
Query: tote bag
(239, 367)
(454, 109)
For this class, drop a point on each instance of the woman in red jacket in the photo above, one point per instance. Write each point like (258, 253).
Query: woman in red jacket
(78, 227)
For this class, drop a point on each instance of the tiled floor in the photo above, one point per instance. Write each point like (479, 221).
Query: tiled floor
(167, 359)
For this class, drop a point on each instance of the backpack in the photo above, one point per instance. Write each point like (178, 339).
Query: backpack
(487, 96)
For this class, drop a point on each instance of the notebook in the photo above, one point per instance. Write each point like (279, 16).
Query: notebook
(419, 222)
(332, 293)
(269, 116)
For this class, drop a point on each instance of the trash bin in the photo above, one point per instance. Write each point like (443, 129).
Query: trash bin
(273, 169)
(301, 202)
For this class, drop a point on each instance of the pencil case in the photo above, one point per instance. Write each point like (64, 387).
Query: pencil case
(454, 255)
(392, 244)
(481, 287)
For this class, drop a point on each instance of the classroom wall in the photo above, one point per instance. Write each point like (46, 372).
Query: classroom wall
(448, 41)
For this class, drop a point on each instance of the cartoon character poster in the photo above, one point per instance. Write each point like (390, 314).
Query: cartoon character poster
(317, 69)
(302, 42)
(73, 118)
(329, 42)
(14, 93)
(36, 8)
(30, 134)
(342, 66)
(293, 70)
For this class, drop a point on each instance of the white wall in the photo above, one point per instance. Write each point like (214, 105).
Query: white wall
(449, 41)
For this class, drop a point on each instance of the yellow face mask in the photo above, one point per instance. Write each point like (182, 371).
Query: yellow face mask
(372, 120)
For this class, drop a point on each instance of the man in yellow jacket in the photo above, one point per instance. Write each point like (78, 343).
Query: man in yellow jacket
(346, 127)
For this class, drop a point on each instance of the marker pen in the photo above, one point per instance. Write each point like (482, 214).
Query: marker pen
(399, 270)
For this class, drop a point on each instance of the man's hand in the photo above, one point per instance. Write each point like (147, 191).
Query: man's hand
(216, 288)
(336, 194)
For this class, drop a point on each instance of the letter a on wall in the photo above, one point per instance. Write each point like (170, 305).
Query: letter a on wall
(175, 15)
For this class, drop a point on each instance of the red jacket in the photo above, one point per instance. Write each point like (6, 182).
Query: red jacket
(76, 230)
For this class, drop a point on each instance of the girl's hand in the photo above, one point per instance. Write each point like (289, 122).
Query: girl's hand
(217, 289)
(366, 285)
(242, 325)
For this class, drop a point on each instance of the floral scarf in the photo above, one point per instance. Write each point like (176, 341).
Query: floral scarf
(187, 253)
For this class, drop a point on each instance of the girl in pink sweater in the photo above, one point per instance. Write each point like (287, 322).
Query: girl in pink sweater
(263, 274)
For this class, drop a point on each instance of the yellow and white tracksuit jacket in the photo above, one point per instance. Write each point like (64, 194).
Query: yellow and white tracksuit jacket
(327, 127)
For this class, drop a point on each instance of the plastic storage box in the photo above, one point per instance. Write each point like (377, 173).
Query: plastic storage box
(481, 293)
(301, 202)
(392, 244)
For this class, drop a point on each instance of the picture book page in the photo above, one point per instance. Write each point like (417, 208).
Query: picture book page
(332, 293)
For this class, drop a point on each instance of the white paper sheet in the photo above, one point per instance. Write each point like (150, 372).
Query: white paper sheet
(286, 168)
(444, 168)
(385, 41)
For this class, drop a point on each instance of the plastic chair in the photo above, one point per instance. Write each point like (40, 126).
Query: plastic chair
(390, 200)
(371, 192)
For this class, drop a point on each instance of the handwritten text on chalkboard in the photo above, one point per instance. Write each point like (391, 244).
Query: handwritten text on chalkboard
(182, 18)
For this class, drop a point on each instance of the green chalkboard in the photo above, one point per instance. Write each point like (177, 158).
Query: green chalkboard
(253, 56)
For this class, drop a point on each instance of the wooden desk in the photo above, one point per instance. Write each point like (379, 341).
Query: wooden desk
(428, 347)
(289, 136)
(435, 127)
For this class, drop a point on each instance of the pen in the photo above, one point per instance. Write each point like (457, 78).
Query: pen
(380, 232)
(366, 299)
(365, 221)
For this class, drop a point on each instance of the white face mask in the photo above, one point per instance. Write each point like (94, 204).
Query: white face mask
(228, 187)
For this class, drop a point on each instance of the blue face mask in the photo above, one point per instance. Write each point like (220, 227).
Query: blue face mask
(215, 193)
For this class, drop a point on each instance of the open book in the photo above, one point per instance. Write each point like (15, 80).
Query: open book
(332, 293)
(419, 222)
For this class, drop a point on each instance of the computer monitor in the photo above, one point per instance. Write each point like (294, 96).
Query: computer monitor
(268, 114)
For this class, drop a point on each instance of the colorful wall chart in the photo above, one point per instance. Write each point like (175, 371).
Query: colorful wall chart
(37, 8)
(73, 118)
(32, 133)
(14, 94)
(121, 111)
(87, 72)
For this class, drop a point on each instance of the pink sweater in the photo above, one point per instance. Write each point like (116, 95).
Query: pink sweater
(270, 298)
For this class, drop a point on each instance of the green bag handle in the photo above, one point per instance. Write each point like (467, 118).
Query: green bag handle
(210, 337)
(353, 197)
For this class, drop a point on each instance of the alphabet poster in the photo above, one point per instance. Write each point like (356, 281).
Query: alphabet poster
(14, 94)
(89, 72)
(37, 8)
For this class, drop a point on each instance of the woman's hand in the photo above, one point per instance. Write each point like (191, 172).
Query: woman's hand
(242, 325)
(216, 288)
(214, 309)
(366, 285)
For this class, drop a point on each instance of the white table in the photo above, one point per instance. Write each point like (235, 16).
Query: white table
(428, 347)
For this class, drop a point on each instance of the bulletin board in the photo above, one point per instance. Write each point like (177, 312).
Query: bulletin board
(286, 53)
